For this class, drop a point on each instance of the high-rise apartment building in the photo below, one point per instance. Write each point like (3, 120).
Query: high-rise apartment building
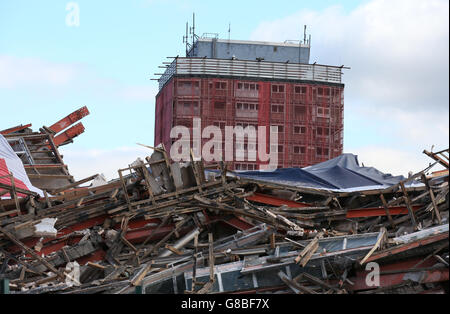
(250, 83)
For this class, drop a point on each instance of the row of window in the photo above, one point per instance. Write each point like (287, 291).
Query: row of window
(320, 131)
(276, 108)
(242, 166)
(246, 106)
(188, 108)
(245, 125)
(276, 88)
(296, 150)
(299, 150)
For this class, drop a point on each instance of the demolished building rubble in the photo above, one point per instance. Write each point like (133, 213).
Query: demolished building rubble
(167, 227)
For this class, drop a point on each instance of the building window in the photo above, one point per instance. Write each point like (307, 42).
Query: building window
(322, 131)
(277, 88)
(188, 108)
(278, 108)
(276, 148)
(299, 129)
(188, 84)
(246, 167)
(248, 86)
(300, 90)
(322, 152)
(219, 124)
(245, 125)
(299, 149)
(221, 85)
(323, 112)
(276, 128)
(323, 91)
(247, 106)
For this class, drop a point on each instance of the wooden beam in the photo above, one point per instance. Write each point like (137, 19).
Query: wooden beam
(211, 257)
(377, 244)
(386, 208)
(75, 184)
(14, 194)
(305, 255)
(436, 157)
(408, 205)
(18, 190)
(49, 176)
(433, 199)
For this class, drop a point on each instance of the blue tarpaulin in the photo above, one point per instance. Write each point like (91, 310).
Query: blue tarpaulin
(340, 173)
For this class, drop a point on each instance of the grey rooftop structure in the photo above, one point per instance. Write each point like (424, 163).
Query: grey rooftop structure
(216, 48)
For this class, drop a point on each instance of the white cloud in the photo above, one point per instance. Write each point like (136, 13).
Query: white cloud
(40, 77)
(397, 50)
(84, 163)
(414, 129)
(397, 87)
(393, 161)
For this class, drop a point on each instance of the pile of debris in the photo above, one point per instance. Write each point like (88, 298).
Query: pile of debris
(167, 227)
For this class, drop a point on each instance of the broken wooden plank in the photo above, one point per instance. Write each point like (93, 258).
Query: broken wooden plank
(75, 184)
(381, 239)
(305, 255)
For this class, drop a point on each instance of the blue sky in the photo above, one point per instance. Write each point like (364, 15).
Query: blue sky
(48, 69)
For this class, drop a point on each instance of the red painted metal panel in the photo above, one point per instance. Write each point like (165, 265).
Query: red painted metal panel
(405, 247)
(238, 223)
(4, 173)
(70, 119)
(275, 201)
(379, 211)
(405, 270)
(15, 129)
(74, 131)
(139, 235)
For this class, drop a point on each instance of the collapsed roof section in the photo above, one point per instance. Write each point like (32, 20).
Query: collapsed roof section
(39, 153)
(340, 174)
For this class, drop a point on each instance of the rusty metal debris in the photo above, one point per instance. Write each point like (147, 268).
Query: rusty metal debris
(166, 227)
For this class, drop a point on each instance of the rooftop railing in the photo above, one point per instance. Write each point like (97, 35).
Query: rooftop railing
(252, 69)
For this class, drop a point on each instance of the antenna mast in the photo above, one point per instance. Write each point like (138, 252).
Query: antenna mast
(186, 39)
(192, 32)
(304, 35)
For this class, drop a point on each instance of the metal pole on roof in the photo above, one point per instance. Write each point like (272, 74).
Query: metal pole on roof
(193, 32)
